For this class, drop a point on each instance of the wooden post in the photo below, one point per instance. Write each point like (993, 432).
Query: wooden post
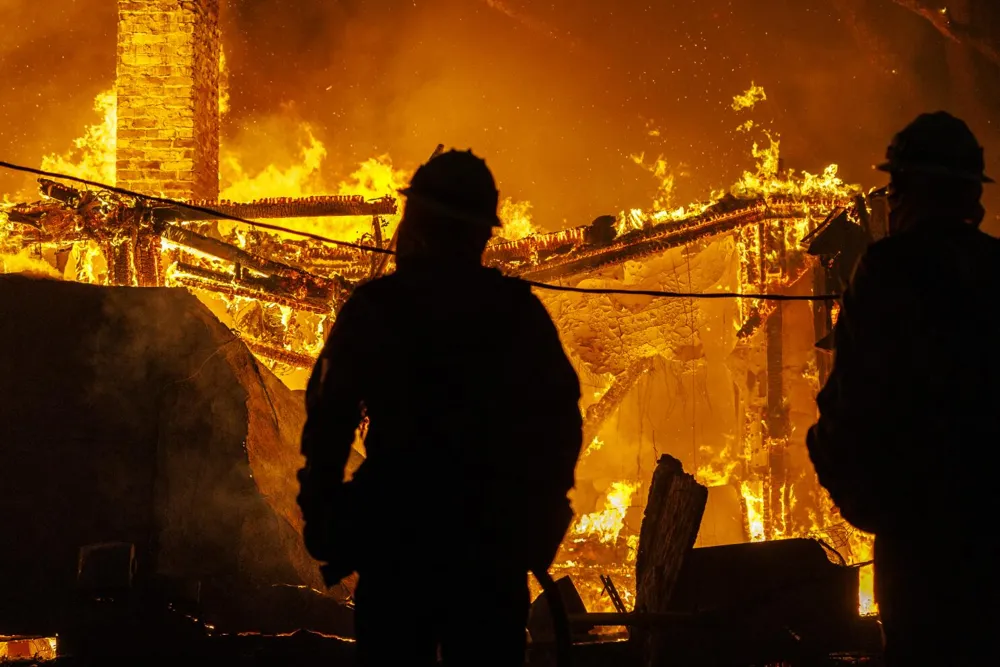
(670, 525)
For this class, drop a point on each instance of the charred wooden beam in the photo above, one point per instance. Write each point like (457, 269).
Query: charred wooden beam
(222, 250)
(281, 355)
(645, 242)
(230, 284)
(283, 207)
(526, 248)
(670, 526)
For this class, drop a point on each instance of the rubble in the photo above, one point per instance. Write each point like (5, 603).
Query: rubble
(134, 416)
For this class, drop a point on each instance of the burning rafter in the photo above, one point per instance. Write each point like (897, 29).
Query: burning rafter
(147, 244)
(284, 207)
(571, 252)
(280, 287)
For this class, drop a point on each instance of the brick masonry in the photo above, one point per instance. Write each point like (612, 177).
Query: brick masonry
(168, 97)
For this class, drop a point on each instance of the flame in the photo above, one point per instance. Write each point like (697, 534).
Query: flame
(768, 181)
(608, 523)
(665, 179)
(753, 496)
(867, 606)
(304, 176)
(716, 470)
(862, 548)
(711, 475)
(374, 178)
(299, 179)
(24, 263)
(224, 95)
(594, 446)
(516, 219)
(834, 312)
(750, 98)
(93, 155)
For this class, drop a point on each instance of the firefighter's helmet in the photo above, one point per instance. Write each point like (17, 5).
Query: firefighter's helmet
(456, 185)
(937, 144)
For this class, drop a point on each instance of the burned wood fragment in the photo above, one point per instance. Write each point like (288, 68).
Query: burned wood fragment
(670, 526)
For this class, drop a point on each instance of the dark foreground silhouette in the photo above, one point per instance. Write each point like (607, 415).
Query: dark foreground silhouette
(911, 413)
(473, 434)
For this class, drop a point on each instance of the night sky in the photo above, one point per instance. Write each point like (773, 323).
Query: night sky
(556, 95)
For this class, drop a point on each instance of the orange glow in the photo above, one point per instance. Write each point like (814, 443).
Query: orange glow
(288, 158)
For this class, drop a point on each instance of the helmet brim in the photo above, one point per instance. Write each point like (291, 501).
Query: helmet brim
(450, 211)
(935, 170)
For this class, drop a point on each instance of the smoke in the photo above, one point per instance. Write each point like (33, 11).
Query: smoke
(556, 96)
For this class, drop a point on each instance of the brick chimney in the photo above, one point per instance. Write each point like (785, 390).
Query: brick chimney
(168, 97)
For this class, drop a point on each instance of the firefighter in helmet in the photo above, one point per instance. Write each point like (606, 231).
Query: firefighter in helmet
(912, 404)
(474, 430)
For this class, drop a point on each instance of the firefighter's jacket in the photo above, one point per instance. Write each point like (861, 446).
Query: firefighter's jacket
(911, 412)
(473, 424)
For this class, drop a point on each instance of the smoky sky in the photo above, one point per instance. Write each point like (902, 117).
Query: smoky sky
(556, 96)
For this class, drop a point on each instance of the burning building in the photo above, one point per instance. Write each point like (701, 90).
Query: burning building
(725, 386)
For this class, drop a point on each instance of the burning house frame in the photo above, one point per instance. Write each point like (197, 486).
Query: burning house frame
(735, 377)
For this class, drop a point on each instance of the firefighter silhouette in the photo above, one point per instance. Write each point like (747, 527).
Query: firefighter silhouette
(911, 405)
(474, 430)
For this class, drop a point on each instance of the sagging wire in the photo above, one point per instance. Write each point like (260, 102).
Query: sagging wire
(388, 251)
(192, 207)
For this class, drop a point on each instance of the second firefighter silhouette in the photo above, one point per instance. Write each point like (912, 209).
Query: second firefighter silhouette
(474, 433)
(912, 405)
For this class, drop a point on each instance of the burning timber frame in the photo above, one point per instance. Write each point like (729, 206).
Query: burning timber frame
(151, 244)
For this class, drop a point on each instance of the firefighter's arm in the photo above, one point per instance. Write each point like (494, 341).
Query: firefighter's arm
(872, 365)
(554, 435)
(333, 413)
(555, 397)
